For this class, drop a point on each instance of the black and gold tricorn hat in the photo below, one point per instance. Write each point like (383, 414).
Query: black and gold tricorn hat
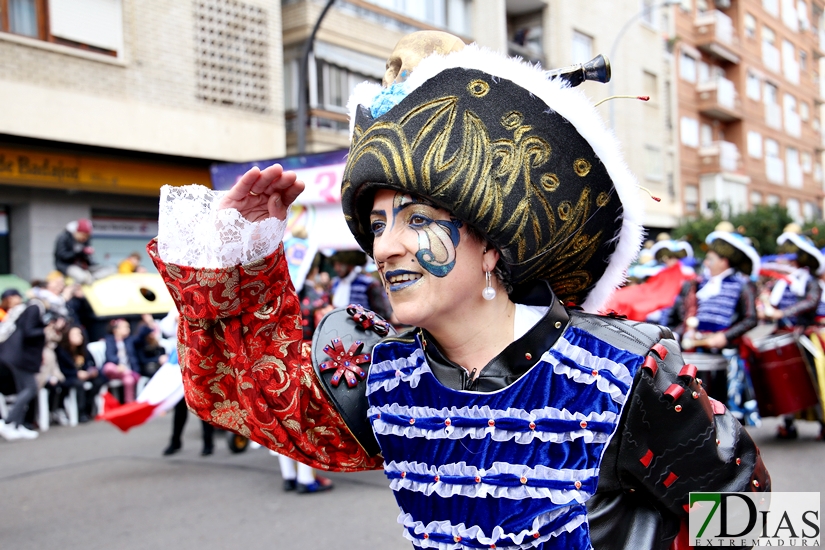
(524, 159)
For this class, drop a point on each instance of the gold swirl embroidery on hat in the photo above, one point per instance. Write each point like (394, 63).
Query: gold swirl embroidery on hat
(582, 167)
(478, 88)
(512, 120)
(550, 182)
(602, 199)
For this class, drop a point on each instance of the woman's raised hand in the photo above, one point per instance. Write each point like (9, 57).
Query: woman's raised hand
(262, 194)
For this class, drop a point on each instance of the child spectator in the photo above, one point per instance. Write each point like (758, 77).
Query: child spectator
(121, 361)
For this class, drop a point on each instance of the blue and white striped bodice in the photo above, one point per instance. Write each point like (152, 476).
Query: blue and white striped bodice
(717, 312)
(508, 469)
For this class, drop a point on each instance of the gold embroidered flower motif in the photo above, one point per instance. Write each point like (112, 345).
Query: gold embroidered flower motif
(211, 278)
(230, 415)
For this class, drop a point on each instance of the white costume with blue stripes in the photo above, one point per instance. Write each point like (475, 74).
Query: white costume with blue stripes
(507, 469)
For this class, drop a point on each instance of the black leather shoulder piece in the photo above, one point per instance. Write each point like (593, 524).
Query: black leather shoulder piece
(341, 355)
(633, 336)
(673, 439)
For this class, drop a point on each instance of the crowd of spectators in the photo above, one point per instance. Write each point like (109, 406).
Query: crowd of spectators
(44, 337)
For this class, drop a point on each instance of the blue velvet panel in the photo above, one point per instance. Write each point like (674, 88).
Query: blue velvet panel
(563, 381)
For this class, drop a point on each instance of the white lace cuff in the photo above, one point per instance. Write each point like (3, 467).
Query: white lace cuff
(192, 231)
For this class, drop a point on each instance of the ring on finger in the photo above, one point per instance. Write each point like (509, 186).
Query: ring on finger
(253, 193)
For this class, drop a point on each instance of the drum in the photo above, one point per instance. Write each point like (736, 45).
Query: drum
(705, 361)
(780, 375)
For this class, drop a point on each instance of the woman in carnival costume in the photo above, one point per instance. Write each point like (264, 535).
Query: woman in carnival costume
(490, 197)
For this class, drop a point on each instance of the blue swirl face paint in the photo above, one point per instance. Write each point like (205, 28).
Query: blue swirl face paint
(437, 239)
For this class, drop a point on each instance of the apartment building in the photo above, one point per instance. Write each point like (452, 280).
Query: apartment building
(104, 101)
(357, 36)
(750, 97)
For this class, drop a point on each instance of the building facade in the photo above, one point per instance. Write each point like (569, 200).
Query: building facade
(750, 97)
(104, 101)
(357, 36)
(114, 98)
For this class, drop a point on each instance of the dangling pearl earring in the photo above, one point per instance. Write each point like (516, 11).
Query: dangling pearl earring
(489, 292)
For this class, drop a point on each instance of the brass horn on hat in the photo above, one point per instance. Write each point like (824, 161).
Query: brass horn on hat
(597, 69)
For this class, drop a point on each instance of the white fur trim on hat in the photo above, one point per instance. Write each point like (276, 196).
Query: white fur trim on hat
(573, 105)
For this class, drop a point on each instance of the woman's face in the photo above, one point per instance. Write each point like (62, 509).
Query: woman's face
(432, 269)
(122, 329)
(75, 336)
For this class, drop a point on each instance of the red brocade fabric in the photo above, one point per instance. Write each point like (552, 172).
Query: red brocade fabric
(245, 367)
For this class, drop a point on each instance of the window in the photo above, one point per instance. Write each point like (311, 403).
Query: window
(789, 15)
(793, 210)
(770, 54)
(753, 85)
(793, 124)
(582, 47)
(650, 85)
(807, 163)
(768, 36)
(691, 198)
(706, 135)
(803, 60)
(686, 5)
(771, 94)
(789, 64)
(335, 85)
(756, 198)
(704, 71)
(802, 13)
(794, 170)
(755, 144)
(771, 6)
(687, 67)
(453, 15)
(773, 200)
(690, 131)
(648, 9)
(750, 26)
(771, 148)
(809, 210)
(653, 162)
(92, 25)
(25, 17)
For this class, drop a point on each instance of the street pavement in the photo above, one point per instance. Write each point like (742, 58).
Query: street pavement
(93, 487)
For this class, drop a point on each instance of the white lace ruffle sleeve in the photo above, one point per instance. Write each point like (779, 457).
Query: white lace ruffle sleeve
(192, 231)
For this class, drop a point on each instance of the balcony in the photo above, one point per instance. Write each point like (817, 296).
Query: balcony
(719, 100)
(720, 157)
(715, 36)
(775, 170)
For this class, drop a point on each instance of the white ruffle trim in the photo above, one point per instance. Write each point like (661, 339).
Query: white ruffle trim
(586, 359)
(397, 365)
(482, 490)
(523, 539)
(496, 434)
(192, 232)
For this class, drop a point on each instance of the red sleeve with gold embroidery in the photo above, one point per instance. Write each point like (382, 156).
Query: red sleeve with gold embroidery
(244, 366)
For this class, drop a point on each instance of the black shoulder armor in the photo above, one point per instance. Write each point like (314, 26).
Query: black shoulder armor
(341, 355)
(673, 439)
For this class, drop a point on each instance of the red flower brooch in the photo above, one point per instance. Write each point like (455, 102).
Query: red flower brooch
(345, 363)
